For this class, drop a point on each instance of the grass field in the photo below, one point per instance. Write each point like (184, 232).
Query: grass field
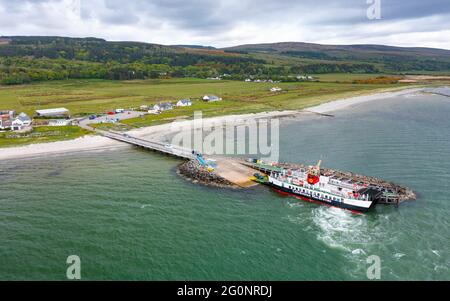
(41, 135)
(345, 77)
(97, 96)
(84, 97)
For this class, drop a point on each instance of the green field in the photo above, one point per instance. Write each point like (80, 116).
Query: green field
(83, 97)
(41, 135)
(98, 96)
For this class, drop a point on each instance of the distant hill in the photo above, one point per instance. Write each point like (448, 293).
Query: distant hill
(195, 47)
(24, 59)
(384, 58)
(298, 46)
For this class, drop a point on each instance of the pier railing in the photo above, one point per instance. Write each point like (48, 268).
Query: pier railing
(165, 148)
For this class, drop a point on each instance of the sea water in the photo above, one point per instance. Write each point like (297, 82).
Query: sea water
(128, 216)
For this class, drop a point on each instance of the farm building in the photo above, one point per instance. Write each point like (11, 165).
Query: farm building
(7, 114)
(165, 106)
(58, 112)
(211, 98)
(5, 124)
(59, 122)
(21, 121)
(184, 103)
(9, 121)
(153, 111)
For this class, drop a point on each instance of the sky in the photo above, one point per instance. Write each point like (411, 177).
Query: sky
(223, 23)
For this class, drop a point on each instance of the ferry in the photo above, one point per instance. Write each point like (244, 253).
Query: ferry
(310, 184)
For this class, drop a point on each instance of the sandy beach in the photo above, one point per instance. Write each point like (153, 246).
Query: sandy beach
(162, 132)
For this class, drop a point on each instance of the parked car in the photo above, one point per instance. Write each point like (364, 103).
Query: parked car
(92, 117)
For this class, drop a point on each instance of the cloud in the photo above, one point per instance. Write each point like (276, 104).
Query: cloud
(229, 22)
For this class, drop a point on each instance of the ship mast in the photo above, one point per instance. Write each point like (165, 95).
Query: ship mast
(314, 173)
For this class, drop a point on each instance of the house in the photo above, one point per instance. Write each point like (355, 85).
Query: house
(276, 89)
(5, 124)
(184, 103)
(305, 77)
(7, 114)
(59, 122)
(143, 108)
(165, 106)
(153, 111)
(211, 98)
(21, 121)
(58, 112)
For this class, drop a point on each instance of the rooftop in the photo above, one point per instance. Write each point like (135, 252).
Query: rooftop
(52, 111)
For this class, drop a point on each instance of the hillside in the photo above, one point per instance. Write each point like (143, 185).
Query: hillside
(28, 59)
(387, 59)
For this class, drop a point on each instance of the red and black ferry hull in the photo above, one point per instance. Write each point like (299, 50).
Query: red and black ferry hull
(311, 199)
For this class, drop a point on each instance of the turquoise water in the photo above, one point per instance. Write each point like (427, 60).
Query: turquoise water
(128, 215)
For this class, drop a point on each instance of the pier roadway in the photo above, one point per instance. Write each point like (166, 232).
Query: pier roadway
(228, 168)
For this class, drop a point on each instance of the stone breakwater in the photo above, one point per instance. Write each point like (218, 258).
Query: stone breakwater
(193, 171)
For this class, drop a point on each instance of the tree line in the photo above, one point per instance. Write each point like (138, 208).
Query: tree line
(28, 59)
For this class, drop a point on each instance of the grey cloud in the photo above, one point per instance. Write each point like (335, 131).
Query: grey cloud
(209, 20)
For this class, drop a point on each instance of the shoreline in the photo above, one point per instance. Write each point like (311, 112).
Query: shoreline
(161, 132)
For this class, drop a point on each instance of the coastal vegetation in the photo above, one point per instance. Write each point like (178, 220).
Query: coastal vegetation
(25, 60)
(41, 135)
(86, 97)
(93, 97)
(92, 76)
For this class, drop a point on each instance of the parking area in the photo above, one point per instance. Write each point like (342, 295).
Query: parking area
(110, 118)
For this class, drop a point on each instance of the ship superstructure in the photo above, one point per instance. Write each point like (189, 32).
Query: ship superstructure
(326, 186)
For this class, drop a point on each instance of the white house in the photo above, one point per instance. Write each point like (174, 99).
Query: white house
(165, 106)
(21, 121)
(276, 89)
(153, 111)
(211, 98)
(184, 103)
